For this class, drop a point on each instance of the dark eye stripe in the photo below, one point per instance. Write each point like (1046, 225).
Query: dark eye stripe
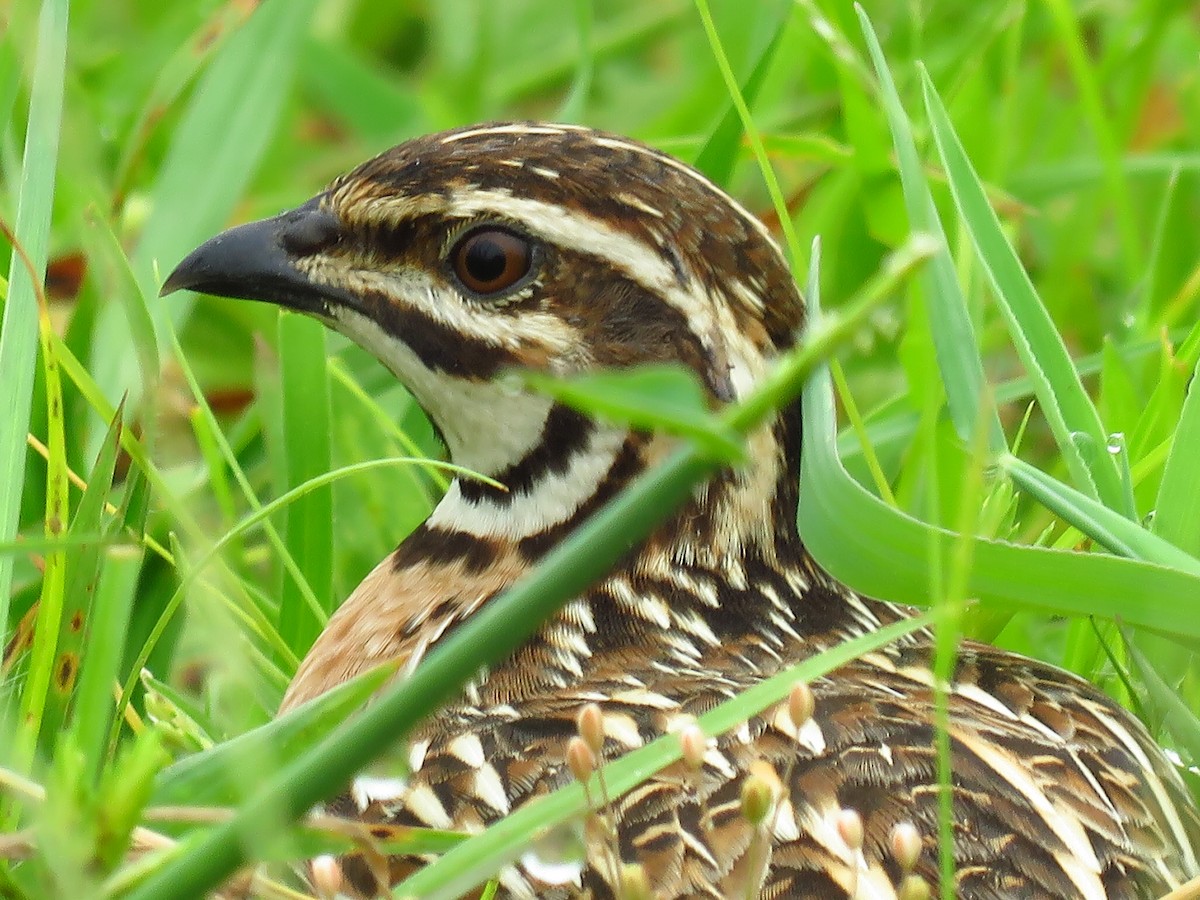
(440, 347)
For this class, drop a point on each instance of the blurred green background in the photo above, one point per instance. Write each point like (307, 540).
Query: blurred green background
(178, 119)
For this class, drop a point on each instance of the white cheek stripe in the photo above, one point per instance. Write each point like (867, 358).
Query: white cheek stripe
(440, 303)
(556, 498)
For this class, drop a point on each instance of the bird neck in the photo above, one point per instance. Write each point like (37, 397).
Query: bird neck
(737, 529)
(576, 464)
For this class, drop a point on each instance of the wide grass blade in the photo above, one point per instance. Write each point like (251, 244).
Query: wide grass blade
(1177, 510)
(308, 533)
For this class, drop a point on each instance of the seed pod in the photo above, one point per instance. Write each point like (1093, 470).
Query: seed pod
(325, 872)
(914, 887)
(757, 799)
(590, 724)
(906, 845)
(635, 884)
(695, 744)
(801, 704)
(580, 759)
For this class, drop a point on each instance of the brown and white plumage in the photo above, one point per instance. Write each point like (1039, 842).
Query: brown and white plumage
(624, 256)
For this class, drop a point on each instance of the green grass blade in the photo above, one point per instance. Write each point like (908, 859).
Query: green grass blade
(18, 342)
(790, 239)
(1177, 510)
(308, 533)
(102, 654)
(1096, 520)
(82, 574)
(1066, 405)
(1181, 720)
(720, 152)
(953, 333)
(231, 117)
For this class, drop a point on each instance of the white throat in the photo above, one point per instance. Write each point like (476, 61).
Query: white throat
(486, 426)
(489, 427)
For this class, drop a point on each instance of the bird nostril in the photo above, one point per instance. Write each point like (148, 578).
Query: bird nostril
(311, 231)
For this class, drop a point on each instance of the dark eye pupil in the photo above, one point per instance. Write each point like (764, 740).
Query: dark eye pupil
(491, 260)
(485, 259)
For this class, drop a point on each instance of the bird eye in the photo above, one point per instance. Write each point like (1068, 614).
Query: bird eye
(489, 260)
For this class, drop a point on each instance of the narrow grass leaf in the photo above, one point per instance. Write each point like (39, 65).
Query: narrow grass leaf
(1097, 521)
(1177, 509)
(102, 654)
(1068, 409)
(953, 333)
(652, 397)
(1180, 719)
(82, 574)
(753, 137)
(18, 341)
(104, 249)
(48, 680)
(719, 154)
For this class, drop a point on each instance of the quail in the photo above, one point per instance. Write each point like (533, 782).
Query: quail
(457, 256)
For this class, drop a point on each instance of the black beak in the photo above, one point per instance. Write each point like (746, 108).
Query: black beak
(259, 261)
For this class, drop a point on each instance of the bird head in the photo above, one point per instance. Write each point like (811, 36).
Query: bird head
(456, 256)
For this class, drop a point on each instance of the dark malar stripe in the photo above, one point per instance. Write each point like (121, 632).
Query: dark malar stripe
(564, 434)
(438, 346)
(437, 546)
